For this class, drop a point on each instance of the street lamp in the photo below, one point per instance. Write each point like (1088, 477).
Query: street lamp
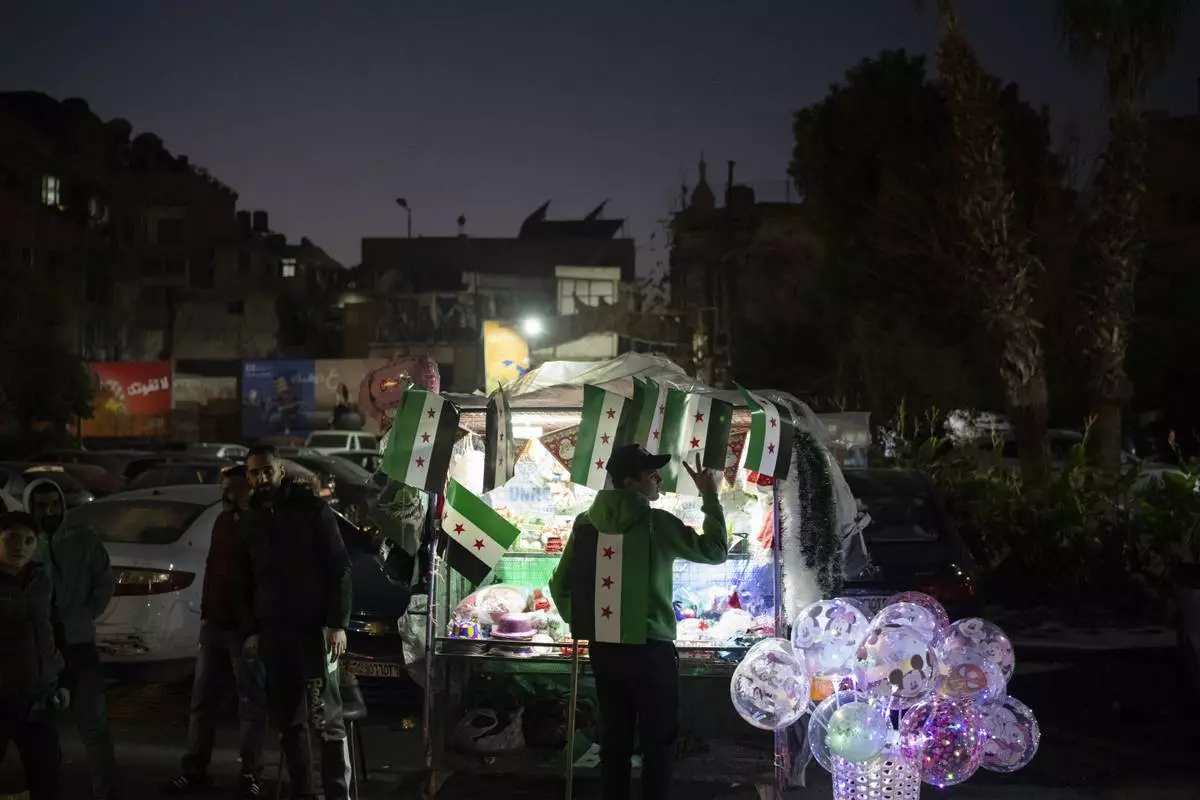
(400, 201)
(532, 326)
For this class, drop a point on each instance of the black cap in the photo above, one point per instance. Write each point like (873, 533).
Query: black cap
(631, 460)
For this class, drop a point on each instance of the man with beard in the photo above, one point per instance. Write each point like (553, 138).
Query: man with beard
(82, 580)
(296, 587)
(221, 641)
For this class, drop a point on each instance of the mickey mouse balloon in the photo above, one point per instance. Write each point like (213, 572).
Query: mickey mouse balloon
(1013, 735)
(987, 638)
(895, 664)
(827, 632)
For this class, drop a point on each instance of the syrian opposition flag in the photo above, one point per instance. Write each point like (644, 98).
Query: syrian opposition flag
(421, 440)
(646, 414)
(500, 456)
(769, 444)
(694, 424)
(476, 536)
(600, 429)
(610, 583)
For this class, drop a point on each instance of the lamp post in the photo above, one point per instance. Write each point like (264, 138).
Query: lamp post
(400, 201)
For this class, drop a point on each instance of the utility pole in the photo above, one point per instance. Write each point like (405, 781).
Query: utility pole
(400, 201)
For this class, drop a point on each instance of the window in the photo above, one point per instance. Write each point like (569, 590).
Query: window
(51, 191)
(330, 440)
(171, 232)
(288, 267)
(138, 521)
(589, 292)
(367, 442)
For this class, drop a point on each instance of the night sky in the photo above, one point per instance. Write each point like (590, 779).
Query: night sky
(322, 113)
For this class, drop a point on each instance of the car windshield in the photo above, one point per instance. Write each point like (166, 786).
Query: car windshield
(176, 476)
(137, 521)
(328, 440)
(368, 442)
(343, 470)
(901, 507)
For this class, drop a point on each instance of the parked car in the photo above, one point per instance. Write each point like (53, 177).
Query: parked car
(114, 461)
(328, 442)
(180, 473)
(352, 486)
(137, 467)
(233, 452)
(365, 459)
(912, 543)
(157, 541)
(73, 491)
(97, 480)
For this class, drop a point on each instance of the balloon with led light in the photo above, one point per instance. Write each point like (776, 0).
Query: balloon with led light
(926, 602)
(1013, 736)
(821, 721)
(911, 615)
(827, 633)
(946, 737)
(858, 732)
(965, 673)
(987, 638)
(770, 688)
(896, 665)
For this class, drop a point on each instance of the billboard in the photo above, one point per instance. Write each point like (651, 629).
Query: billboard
(298, 396)
(131, 399)
(505, 355)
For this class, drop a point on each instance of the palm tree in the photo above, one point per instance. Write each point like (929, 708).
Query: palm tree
(1135, 39)
(996, 256)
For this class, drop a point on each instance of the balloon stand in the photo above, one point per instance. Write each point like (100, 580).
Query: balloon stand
(892, 777)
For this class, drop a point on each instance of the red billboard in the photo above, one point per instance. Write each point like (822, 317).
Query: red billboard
(132, 399)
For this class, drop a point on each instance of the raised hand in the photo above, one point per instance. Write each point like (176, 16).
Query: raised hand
(704, 479)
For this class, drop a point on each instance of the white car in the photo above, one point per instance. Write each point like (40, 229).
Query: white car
(157, 542)
(329, 442)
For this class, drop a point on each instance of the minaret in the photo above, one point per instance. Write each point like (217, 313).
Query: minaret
(702, 196)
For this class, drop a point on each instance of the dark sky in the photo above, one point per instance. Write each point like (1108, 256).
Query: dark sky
(322, 113)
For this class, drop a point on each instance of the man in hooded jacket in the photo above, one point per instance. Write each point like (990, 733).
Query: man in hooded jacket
(82, 580)
(614, 585)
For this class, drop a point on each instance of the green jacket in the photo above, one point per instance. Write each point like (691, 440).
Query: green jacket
(614, 582)
(79, 571)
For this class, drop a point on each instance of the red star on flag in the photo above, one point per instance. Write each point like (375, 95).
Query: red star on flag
(655, 434)
(458, 528)
(699, 416)
(478, 544)
(612, 413)
(604, 438)
(425, 437)
(608, 552)
(695, 443)
(772, 423)
(607, 582)
(662, 409)
(431, 413)
(599, 464)
(420, 462)
(606, 612)
(771, 449)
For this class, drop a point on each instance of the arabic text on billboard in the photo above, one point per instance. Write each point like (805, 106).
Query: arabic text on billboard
(131, 399)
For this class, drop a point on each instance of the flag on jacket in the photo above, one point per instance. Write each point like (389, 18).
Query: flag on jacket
(646, 414)
(610, 586)
(421, 440)
(694, 424)
(769, 443)
(500, 454)
(476, 536)
(599, 431)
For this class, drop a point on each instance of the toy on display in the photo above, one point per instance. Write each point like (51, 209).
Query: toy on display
(904, 699)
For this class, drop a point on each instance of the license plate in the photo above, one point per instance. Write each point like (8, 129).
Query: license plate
(373, 669)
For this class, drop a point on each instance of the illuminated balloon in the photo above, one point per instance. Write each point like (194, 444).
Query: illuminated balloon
(910, 615)
(857, 732)
(926, 602)
(964, 673)
(987, 638)
(895, 665)
(827, 633)
(947, 736)
(770, 687)
(1012, 734)
(822, 718)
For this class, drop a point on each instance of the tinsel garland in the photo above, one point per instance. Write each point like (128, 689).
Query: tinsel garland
(819, 542)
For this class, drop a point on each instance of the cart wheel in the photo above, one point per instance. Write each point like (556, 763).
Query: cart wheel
(434, 781)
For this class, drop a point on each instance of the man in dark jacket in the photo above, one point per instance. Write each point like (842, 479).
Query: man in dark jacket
(83, 584)
(29, 660)
(221, 641)
(614, 586)
(296, 579)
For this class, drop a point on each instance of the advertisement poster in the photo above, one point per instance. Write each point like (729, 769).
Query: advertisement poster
(297, 397)
(505, 355)
(132, 399)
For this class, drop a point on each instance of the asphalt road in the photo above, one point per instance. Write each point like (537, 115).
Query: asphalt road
(1115, 725)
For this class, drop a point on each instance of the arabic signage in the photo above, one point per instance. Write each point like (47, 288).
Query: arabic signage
(130, 399)
(297, 397)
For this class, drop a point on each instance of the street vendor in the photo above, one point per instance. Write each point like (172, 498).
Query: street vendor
(614, 586)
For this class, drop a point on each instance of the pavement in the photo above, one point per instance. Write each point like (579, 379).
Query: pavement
(1116, 723)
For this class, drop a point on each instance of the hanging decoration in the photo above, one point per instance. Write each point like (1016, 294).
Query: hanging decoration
(561, 445)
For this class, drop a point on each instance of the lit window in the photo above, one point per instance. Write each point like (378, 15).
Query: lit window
(288, 267)
(589, 292)
(51, 187)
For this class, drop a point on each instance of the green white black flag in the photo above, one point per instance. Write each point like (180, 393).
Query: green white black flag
(421, 440)
(694, 424)
(500, 459)
(600, 430)
(769, 442)
(476, 536)
(649, 408)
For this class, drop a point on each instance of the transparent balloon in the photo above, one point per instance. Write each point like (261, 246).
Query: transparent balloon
(770, 688)
(926, 602)
(819, 724)
(910, 615)
(985, 637)
(947, 736)
(965, 673)
(895, 664)
(827, 633)
(858, 732)
(1013, 736)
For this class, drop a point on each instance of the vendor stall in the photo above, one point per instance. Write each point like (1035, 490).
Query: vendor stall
(508, 690)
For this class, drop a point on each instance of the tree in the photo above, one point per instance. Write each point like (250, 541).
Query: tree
(1135, 38)
(43, 385)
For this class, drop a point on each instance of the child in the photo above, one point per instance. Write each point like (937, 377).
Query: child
(29, 660)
